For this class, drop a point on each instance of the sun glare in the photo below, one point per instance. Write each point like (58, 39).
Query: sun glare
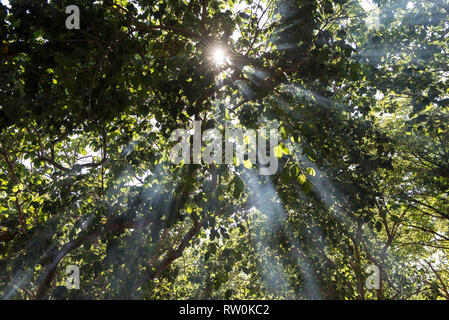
(219, 56)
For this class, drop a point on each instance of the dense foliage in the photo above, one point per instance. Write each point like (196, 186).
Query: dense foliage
(358, 91)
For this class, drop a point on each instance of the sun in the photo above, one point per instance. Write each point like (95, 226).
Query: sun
(219, 56)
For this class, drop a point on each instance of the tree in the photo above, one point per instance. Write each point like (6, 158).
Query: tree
(86, 117)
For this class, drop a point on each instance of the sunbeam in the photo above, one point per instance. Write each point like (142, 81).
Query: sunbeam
(264, 196)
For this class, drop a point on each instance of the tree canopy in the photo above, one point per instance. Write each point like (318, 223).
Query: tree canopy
(358, 92)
